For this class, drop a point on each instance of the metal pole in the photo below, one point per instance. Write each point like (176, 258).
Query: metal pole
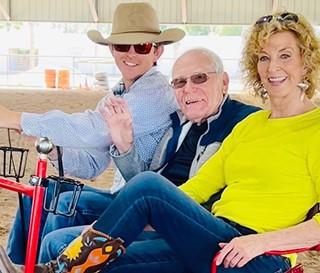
(44, 147)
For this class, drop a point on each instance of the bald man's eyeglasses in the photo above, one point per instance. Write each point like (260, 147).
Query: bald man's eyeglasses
(197, 78)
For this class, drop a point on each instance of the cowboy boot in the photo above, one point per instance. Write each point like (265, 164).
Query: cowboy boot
(6, 266)
(88, 253)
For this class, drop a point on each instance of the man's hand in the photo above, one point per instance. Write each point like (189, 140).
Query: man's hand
(119, 121)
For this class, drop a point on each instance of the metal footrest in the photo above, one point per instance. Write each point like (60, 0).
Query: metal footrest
(59, 182)
(13, 161)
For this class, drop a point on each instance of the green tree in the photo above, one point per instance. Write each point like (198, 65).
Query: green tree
(194, 30)
(9, 25)
(229, 30)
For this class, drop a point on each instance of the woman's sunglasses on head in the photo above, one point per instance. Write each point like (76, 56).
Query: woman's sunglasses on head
(197, 78)
(139, 48)
(284, 17)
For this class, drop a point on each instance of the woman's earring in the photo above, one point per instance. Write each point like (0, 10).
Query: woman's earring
(263, 93)
(303, 86)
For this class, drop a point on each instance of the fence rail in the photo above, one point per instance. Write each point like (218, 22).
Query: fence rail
(29, 71)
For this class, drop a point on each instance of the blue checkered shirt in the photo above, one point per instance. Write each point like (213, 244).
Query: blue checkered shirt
(84, 136)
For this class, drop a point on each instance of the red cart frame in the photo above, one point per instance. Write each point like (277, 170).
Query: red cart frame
(36, 190)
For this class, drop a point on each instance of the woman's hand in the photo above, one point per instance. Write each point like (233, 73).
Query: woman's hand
(119, 121)
(241, 250)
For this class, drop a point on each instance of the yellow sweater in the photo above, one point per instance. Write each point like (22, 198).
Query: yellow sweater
(271, 168)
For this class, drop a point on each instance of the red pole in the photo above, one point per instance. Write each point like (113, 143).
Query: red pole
(35, 219)
(44, 147)
(14, 186)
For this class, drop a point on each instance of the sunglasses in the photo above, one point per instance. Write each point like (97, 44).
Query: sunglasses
(139, 48)
(197, 78)
(284, 17)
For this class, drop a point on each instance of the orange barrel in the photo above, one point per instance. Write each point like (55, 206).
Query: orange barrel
(64, 79)
(50, 78)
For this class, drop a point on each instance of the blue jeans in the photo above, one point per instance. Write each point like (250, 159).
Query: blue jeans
(91, 204)
(51, 248)
(148, 245)
(191, 234)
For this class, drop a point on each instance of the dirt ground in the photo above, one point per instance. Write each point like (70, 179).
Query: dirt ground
(68, 101)
(39, 102)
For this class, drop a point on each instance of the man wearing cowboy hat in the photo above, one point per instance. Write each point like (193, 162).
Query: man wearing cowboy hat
(136, 43)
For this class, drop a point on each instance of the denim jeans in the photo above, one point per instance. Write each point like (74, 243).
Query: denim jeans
(148, 245)
(190, 233)
(91, 204)
(51, 248)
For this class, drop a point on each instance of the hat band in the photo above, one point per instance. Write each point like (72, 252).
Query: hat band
(145, 32)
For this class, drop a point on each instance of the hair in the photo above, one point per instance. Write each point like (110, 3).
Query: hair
(308, 44)
(216, 61)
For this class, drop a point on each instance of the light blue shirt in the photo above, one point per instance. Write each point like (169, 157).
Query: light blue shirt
(85, 137)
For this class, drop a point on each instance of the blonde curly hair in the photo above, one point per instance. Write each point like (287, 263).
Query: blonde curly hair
(307, 42)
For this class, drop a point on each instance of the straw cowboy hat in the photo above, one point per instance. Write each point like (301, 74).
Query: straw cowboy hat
(136, 23)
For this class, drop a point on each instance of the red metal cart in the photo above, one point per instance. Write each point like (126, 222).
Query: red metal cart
(14, 162)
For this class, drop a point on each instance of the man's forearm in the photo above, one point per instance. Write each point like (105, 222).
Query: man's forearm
(10, 119)
(129, 163)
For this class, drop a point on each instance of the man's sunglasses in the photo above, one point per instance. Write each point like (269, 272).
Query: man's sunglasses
(284, 17)
(197, 78)
(139, 48)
